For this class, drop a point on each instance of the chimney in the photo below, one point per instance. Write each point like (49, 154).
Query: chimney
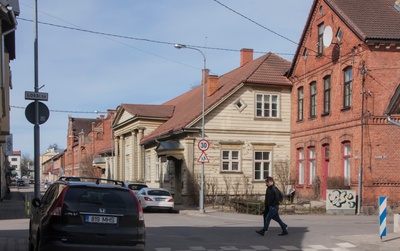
(246, 55)
(212, 85)
(204, 75)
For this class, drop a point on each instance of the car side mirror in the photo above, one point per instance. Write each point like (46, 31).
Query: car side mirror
(36, 202)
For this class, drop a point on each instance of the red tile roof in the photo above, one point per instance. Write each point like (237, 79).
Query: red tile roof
(375, 20)
(370, 19)
(158, 111)
(269, 69)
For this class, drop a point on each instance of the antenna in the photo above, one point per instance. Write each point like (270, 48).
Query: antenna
(327, 37)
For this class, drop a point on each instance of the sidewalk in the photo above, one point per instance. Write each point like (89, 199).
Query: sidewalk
(13, 205)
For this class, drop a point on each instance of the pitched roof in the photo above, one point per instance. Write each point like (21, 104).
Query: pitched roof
(82, 124)
(159, 111)
(269, 69)
(370, 19)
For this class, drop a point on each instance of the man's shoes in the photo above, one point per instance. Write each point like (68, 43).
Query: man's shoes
(283, 233)
(260, 232)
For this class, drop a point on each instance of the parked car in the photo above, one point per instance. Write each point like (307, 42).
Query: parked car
(156, 198)
(136, 187)
(87, 214)
(31, 181)
(20, 182)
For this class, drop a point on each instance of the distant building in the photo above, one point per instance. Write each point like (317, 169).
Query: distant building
(15, 163)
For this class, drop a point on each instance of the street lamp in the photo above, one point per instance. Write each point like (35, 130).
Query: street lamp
(203, 83)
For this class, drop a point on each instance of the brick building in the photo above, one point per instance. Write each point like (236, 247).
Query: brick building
(86, 138)
(345, 70)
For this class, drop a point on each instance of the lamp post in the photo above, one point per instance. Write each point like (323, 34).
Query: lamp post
(203, 83)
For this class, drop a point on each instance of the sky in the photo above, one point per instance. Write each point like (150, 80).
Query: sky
(94, 55)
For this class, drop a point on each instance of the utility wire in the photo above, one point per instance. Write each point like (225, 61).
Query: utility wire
(132, 38)
(254, 22)
(61, 111)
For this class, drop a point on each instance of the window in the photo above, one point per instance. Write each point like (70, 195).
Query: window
(348, 79)
(300, 161)
(14, 159)
(346, 163)
(267, 105)
(262, 165)
(157, 167)
(321, 28)
(148, 166)
(311, 161)
(230, 160)
(326, 152)
(313, 99)
(300, 103)
(327, 94)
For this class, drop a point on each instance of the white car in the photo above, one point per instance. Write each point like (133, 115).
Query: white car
(156, 198)
(135, 186)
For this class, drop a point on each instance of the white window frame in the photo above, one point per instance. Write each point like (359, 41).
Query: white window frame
(267, 99)
(312, 161)
(230, 160)
(259, 164)
(300, 156)
(346, 163)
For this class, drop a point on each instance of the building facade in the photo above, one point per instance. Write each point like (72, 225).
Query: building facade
(246, 122)
(345, 71)
(9, 9)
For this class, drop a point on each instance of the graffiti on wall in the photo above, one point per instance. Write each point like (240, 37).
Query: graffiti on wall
(341, 199)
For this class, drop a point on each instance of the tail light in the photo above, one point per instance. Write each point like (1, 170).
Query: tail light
(57, 207)
(147, 198)
(171, 200)
(140, 209)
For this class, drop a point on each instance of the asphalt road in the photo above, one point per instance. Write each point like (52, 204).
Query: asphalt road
(218, 231)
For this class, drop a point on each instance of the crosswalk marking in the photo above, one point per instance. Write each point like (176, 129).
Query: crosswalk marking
(344, 246)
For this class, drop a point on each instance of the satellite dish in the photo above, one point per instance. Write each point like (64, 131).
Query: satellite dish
(327, 37)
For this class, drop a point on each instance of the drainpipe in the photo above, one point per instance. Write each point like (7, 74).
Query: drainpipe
(392, 121)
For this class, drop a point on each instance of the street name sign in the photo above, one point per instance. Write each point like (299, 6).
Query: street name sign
(36, 96)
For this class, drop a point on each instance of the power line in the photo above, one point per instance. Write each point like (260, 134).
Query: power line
(61, 111)
(251, 20)
(133, 38)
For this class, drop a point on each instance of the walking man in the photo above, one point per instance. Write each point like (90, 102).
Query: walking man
(272, 208)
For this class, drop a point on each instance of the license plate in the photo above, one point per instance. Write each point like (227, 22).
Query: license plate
(101, 219)
(160, 199)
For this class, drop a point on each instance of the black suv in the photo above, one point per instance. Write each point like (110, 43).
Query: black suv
(80, 213)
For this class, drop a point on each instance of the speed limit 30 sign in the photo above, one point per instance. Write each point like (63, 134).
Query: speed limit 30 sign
(203, 145)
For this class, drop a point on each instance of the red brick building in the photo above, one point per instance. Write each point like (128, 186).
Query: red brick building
(86, 139)
(345, 70)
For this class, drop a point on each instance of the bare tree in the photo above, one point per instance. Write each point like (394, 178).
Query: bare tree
(26, 164)
(282, 175)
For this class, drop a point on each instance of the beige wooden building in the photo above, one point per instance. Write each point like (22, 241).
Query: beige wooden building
(246, 122)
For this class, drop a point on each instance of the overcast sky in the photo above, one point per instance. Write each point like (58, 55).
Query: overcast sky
(95, 54)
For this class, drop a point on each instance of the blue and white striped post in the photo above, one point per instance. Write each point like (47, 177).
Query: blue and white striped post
(382, 216)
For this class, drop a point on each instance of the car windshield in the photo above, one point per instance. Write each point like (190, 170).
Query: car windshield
(158, 193)
(136, 186)
(110, 198)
